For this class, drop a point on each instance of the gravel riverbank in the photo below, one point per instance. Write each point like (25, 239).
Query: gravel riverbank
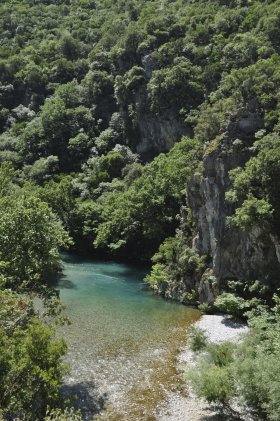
(183, 405)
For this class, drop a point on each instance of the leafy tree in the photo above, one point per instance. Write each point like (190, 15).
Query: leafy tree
(177, 87)
(42, 169)
(31, 366)
(30, 239)
(146, 212)
(176, 266)
(255, 187)
(63, 415)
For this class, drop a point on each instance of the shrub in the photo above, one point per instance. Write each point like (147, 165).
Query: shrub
(197, 338)
(248, 371)
(231, 304)
(221, 354)
(68, 414)
(212, 382)
(30, 359)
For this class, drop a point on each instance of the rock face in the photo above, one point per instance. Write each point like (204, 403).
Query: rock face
(159, 134)
(233, 254)
(156, 133)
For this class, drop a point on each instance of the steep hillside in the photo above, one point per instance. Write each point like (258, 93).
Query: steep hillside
(92, 91)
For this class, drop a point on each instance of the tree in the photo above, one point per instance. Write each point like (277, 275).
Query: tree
(30, 238)
(31, 366)
(145, 213)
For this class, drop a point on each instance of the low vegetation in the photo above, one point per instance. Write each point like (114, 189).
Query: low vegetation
(246, 371)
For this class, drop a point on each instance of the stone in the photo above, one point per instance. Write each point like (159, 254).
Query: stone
(233, 253)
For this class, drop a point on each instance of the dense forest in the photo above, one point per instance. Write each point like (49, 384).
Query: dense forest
(140, 130)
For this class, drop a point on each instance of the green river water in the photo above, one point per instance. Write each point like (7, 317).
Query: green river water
(122, 340)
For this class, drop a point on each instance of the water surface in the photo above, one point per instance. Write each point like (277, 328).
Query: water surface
(123, 340)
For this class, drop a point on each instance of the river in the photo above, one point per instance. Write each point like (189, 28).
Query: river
(123, 340)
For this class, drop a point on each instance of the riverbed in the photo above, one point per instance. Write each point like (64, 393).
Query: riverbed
(123, 340)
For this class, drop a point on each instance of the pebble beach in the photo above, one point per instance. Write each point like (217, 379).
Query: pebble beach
(184, 405)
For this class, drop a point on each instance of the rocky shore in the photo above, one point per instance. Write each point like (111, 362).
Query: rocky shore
(184, 405)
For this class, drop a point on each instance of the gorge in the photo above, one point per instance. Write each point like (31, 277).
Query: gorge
(144, 132)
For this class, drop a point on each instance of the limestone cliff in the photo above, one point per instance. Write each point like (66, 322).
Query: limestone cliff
(159, 133)
(233, 253)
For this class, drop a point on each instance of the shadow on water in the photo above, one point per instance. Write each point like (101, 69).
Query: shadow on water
(62, 282)
(85, 397)
(119, 269)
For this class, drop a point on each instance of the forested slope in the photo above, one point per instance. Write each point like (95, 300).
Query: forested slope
(82, 81)
(92, 91)
(139, 129)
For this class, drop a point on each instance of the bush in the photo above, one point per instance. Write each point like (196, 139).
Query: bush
(212, 382)
(257, 367)
(221, 354)
(197, 338)
(231, 304)
(248, 371)
(31, 360)
(212, 378)
(68, 414)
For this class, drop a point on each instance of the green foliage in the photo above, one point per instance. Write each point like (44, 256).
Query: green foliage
(31, 361)
(15, 311)
(105, 168)
(211, 117)
(213, 378)
(255, 187)
(60, 197)
(232, 304)
(84, 85)
(248, 370)
(31, 367)
(7, 176)
(177, 87)
(42, 169)
(253, 212)
(212, 382)
(163, 56)
(175, 268)
(145, 212)
(78, 78)
(197, 338)
(243, 296)
(30, 237)
(84, 223)
(221, 355)
(63, 415)
(256, 372)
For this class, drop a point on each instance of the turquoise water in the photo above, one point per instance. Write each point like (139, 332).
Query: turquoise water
(122, 339)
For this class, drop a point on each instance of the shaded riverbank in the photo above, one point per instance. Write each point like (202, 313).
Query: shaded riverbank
(123, 340)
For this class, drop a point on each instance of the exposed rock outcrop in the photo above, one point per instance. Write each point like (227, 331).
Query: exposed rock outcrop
(233, 253)
(156, 133)
(159, 134)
